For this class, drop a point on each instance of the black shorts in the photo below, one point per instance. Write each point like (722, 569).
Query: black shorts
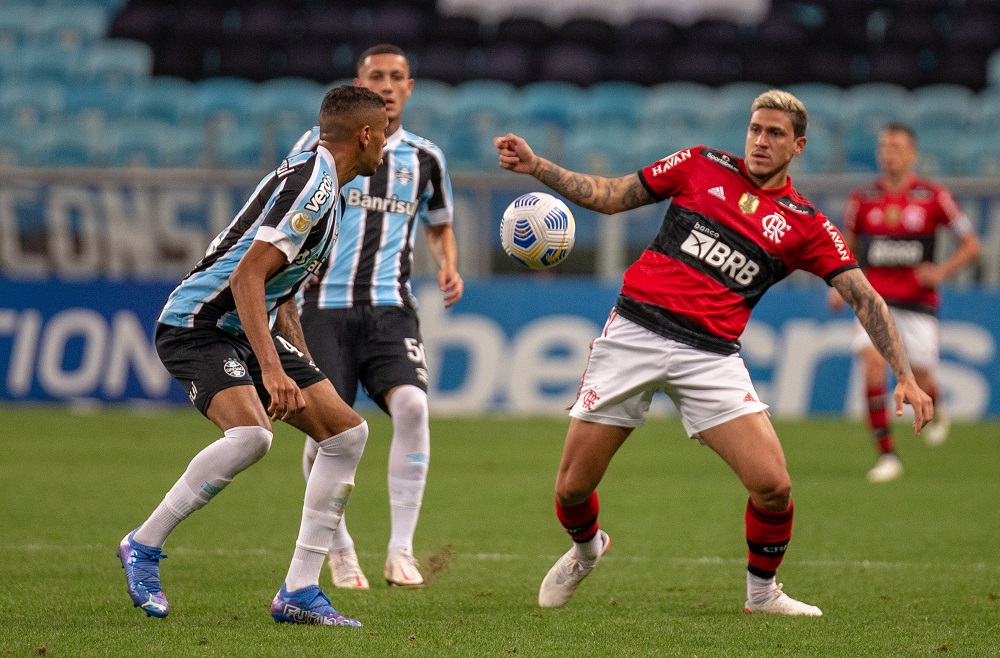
(207, 360)
(379, 346)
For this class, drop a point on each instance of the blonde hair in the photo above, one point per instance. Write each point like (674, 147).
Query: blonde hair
(776, 99)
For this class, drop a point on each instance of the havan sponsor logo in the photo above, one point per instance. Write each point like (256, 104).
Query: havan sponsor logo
(671, 160)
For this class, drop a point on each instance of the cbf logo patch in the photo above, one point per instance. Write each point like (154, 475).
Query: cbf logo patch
(404, 176)
(300, 222)
(234, 368)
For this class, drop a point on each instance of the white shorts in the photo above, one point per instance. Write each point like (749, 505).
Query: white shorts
(629, 363)
(920, 333)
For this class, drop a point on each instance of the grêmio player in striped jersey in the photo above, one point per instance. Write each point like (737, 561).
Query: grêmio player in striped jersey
(734, 228)
(360, 319)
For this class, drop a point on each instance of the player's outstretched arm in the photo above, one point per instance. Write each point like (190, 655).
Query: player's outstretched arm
(605, 195)
(874, 316)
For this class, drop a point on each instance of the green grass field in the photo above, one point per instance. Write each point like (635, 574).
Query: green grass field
(907, 568)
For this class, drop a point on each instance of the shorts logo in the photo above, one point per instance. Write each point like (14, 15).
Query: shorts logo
(749, 397)
(234, 368)
(193, 393)
(300, 222)
(590, 398)
(775, 227)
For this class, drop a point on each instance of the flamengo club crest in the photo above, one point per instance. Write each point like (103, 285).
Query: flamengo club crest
(748, 203)
(775, 227)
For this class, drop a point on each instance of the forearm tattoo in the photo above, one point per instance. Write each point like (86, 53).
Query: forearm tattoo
(288, 325)
(874, 316)
(605, 195)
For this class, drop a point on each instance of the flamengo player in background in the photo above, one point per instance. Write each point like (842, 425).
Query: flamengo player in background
(360, 319)
(891, 224)
(734, 228)
(215, 337)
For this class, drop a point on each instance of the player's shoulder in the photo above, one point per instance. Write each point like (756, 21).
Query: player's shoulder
(795, 202)
(868, 192)
(296, 162)
(718, 158)
(419, 143)
(926, 187)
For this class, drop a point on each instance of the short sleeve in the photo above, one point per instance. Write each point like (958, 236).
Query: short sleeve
(667, 177)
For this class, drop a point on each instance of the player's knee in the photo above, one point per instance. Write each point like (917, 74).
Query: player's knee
(349, 444)
(252, 440)
(408, 406)
(775, 496)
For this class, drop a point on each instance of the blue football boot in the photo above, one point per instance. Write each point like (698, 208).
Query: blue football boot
(142, 576)
(308, 605)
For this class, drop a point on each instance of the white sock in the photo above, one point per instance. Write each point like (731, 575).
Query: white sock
(341, 538)
(309, 456)
(207, 474)
(759, 588)
(409, 457)
(327, 492)
(590, 550)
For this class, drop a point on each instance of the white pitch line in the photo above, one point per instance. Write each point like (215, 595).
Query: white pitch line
(709, 560)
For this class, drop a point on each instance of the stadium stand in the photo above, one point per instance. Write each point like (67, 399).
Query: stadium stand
(244, 75)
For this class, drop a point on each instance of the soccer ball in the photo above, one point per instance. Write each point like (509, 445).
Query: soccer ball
(537, 230)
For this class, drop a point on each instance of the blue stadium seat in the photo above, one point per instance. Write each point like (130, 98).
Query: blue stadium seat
(657, 143)
(686, 106)
(486, 105)
(289, 98)
(97, 101)
(145, 142)
(552, 102)
(822, 153)
(598, 150)
(238, 145)
(18, 26)
(73, 27)
(231, 97)
(20, 147)
(29, 103)
(38, 62)
(942, 153)
(163, 98)
(982, 156)
(430, 109)
(613, 104)
(118, 62)
(942, 108)
(824, 104)
(871, 105)
(73, 145)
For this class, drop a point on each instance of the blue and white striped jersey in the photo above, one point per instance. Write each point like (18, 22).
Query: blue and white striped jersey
(297, 208)
(373, 258)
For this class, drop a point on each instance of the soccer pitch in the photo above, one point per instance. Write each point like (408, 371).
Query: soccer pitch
(906, 568)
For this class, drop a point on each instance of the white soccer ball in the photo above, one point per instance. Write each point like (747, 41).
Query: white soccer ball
(537, 230)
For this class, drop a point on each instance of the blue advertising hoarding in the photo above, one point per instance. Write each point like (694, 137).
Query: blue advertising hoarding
(512, 345)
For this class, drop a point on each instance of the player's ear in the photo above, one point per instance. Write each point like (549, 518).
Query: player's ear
(800, 145)
(364, 136)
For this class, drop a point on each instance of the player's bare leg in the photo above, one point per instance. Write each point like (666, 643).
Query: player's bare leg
(751, 447)
(587, 452)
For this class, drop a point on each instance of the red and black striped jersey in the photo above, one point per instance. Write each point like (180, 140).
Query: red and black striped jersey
(723, 242)
(896, 231)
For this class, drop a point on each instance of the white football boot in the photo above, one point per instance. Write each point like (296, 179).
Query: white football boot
(345, 569)
(566, 575)
(888, 467)
(936, 432)
(401, 569)
(777, 602)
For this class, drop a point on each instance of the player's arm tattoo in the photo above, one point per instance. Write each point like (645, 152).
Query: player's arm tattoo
(873, 313)
(288, 325)
(605, 195)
